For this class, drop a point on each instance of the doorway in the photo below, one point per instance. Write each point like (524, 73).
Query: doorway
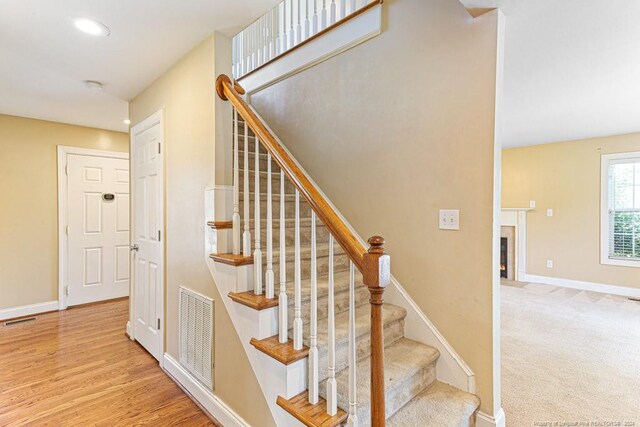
(93, 224)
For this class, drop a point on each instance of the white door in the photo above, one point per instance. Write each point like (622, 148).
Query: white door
(98, 233)
(147, 197)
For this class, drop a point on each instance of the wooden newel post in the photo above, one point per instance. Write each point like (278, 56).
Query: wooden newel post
(376, 276)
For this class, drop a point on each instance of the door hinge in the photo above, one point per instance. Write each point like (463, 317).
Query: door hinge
(66, 290)
(66, 230)
(158, 324)
(158, 235)
(66, 169)
(159, 150)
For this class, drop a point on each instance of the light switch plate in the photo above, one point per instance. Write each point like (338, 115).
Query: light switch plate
(449, 219)
(532, 204)
(549, 212)
(549, 263)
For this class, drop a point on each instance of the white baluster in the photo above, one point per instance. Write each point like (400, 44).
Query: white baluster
(265, 38)
(258, 38)
(246, 236)
(234, 49)
(307, 22)
(245, 62)
(314, 20)
(313, 324)
(323, 15)
(352, 421)
(332, 388)
(265, 34)
(252, 47)
(236, 187)
(282, 298)
(274, 34)
(257, 253)
(292, 39)
(269, 278)
(297, 313)
(363, 3)
(278, 47)
(353, 6)
(332, 12)
(247, 51)
(343, 9)
(299, 22)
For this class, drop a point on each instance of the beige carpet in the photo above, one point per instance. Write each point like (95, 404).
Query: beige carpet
(569, 357)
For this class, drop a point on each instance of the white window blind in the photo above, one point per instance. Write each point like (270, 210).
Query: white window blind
(621, 208)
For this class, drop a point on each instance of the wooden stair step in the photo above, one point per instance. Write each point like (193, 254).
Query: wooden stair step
(220, 225)
(231, 259)
(311, 415)
(283, 353)
(257, 302)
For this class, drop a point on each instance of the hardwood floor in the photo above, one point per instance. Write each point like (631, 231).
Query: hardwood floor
(77, 368)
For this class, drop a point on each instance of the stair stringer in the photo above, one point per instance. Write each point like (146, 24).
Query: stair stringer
(274, 378)
(451, 368)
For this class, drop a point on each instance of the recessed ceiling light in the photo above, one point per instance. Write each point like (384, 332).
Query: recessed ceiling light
(126, 121)
(89, 26)
(92, 84)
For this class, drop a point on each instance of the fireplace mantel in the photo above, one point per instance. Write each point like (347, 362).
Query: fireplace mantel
(517, 217)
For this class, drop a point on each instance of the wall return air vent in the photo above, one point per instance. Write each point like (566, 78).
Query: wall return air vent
(196, 335)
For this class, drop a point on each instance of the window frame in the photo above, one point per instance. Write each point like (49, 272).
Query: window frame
(604, 209)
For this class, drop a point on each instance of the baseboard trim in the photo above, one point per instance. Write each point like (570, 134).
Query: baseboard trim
(28, 310)
(584, 286)
(204, 397)
(486, 420)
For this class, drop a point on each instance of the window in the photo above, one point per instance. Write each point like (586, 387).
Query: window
(620, 238)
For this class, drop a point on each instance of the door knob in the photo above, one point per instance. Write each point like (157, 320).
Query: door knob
(134, 247)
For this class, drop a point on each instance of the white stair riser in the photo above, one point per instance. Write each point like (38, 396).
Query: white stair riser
(341, 304)
(392, 332)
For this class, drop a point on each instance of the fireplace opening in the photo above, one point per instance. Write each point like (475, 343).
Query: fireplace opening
(504, 254)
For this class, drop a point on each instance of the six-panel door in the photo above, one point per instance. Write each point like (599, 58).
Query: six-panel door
(98, 221)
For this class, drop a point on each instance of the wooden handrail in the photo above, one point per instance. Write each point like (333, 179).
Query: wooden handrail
(373, 263)
(348, 241)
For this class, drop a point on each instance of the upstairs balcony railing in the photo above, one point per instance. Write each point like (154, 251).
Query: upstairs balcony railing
(289, 24)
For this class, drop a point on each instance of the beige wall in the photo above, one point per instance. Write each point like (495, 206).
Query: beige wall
(186, 93)
(566, 178)
(394, 130)
(29, 206)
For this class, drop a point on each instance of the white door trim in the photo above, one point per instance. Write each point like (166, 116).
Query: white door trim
(152, 120)
(63, 241)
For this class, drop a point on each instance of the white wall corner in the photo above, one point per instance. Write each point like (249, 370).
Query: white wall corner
(205, 397)
(28, 310)
(486, 420)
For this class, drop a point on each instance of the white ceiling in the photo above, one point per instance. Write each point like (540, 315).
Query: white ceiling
(572, 70)
(44, 59)
(572, 67)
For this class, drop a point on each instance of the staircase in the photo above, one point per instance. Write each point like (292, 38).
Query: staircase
(330, 314)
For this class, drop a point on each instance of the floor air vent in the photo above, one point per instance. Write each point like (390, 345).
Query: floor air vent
(16, 321)
(196, 335)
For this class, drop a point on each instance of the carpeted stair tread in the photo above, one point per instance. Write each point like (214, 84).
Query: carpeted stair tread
(409, 368)
(437, 406)
(390, 314)
(340, 284)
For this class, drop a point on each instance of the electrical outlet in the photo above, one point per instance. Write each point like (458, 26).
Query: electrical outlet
(449, 219)
(549, 212)
(549, 263)
(532, 204)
